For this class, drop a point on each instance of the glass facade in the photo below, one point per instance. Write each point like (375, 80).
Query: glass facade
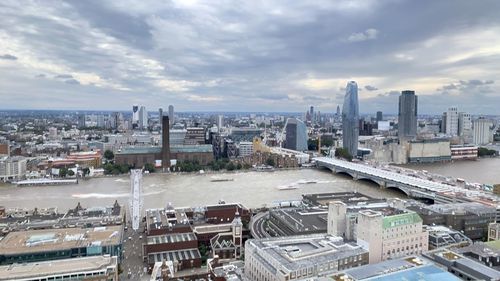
(350, 119)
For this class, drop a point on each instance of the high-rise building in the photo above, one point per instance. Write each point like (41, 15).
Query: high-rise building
(100, 121)
(135, 116)
(143, 117)
(379, 116)
(338, 110)
(407, 117)
(220, 122)
(350, 119)
(451, 127)
(296, 134)
(311, 111)
(482, 131)
(81, 121)
(165, 142)
(465, 126)
(160, 114)
(171, 115)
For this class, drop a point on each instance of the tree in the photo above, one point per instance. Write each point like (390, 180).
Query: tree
(230, 166)
(239, 166)
(483, 151)
(149, 167)
(312, 144)
(63, 172)
(86, 171)
(270, 162)
(496, 189)
(341, 152)
(109, 155)
(71, 173)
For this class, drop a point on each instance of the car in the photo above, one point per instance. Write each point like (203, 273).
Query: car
(130, 238)
(140, 237)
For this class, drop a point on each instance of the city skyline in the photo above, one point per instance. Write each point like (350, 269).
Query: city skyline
(250, 56)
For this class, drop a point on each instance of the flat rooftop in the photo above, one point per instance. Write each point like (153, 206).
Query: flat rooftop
(171, 238)
(301, 220)
(318, 199)
(57, 267)
(47, 240)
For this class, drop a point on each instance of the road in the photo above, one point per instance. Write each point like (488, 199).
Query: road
(257, 225)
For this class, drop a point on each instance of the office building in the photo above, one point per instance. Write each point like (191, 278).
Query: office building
(300, 257)
(143, 117)
(220, 122)
(482, 131)
(177, 136)
(96, 268)
(160, 115)
(4, 148)
(12, 168)
(494, 231)
(407, 117)
(195, 135)
(245, 148)
(350, 119)
(244, 134)
(61, 243)
(100, 121)
(81, 120)
(380, 117)
(171, 115)
(297, 221)
(338, 110)
(391, 234)
(465, 126)
(135, 116)
(451, 121)
(296, 135)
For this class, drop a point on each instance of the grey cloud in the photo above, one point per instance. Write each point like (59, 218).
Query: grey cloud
(368, 34)
(8, 57)
(72, 82)
(370, 88)
(64, 76)
(41, 75)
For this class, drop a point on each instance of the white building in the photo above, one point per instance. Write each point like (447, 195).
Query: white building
(245, 148)
(452, 121)
(465, 126)
(391, 235)
(482, 131)
(300, 257)
(143, 117)
(12, 168)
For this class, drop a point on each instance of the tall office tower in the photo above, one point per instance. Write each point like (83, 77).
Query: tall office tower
(296, 134)
(380, 117)
(350, 119)
(443, 123)
(482, 131)
(165, 143)
(407, 118)
(452, 121)
(135, 115)
(81, 120)
(160, 114)
(143, 117)
(100, 121)
(338, 110)
(465, 126)
(171, 115)
(220, 122)
(311, 111)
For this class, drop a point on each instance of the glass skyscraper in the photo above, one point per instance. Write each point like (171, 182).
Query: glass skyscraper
(296, 134)
(407, 118)
(350, 119)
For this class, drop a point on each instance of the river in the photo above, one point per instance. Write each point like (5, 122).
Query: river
(484, 170)
(253, 189)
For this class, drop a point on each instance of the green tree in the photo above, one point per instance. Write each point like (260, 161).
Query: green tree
(483, 151)
(86, 171)
(230, 166)
(341, 152)
(239, 166)
(63, 172)
(109, 155)
(71, 173)
(149, 167)
(270, 162)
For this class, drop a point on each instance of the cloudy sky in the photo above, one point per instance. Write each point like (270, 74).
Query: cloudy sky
(249, 55)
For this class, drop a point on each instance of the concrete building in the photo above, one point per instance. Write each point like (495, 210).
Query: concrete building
(300, 257)
(297, 221)
(195, 135)
(244, 134)
(171, 115)
(380, 116)
(4, 149)
(494, 231)
(391, 235)
(165, 148)
(96, 268)
(465, 127)
(296, 135)
(451, 121)
(12, 168)
(177, 136)
(463, 152)
(350, 119)
(482, 131)
(81, 120)
(407, 117)
(51, 244)
(135, 116)
(428, 151)
(160, 115)
(245, 148)
(442, 236)
(143, 118)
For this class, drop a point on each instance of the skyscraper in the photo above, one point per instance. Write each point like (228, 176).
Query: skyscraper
(135, 116)
(380, 117)
(143, 117)
(296, 134)
(160, 114)
(338, 110)
(407, 117)
(482, 131)
(171, 115)
(165, 143)
(81, 120)
(220, 122)
(452, 121)
(350, 119)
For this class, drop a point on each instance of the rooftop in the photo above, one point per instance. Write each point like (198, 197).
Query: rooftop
(301, 220)
(59, 239)
(57, 267)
